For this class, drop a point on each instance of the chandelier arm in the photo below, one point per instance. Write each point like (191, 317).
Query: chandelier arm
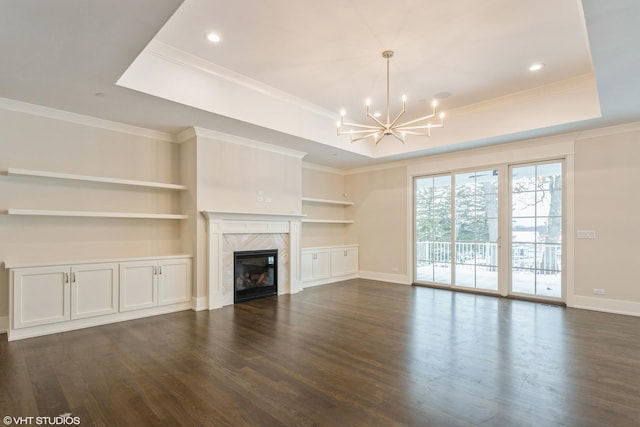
(360, 138)
(374, 118)
(427, 126)
(359, 132)
(414, 128)
(413, 132)
(357, 125)
(410, 122)
(398, 137)
(393, 124)
(379, 138)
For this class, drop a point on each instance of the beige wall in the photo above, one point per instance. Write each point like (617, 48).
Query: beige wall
(380, 214)
(35, 142)
(607, 176)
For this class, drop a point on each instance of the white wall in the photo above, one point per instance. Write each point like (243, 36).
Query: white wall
(55, 141)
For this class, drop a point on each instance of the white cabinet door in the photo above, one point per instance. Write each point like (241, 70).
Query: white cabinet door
(174, 281)
(306, 265)
(338, 262)
(138, 285)
(351, 261)
(40, 296)
(322, 264)
(94, 290)
(344, 261)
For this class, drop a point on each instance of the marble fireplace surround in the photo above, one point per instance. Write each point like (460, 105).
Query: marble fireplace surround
(244, 231)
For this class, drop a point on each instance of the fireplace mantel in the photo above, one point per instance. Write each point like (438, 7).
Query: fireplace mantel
(221, 223)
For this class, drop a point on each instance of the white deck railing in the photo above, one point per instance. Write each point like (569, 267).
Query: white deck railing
(522, 254)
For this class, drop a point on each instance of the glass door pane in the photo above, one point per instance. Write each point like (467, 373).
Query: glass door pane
(476, 229)
(536, 229)
(433, 229)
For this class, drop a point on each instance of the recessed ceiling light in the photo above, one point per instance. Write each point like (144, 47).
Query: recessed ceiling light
(213, 37)
(377, 114)
(536, 67)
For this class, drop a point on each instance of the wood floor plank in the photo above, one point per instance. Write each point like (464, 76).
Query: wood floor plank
(357, 353)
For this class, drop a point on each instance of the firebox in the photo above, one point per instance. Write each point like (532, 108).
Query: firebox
(255, 274)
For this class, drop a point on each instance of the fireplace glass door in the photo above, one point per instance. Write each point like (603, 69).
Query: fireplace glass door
(255, 274)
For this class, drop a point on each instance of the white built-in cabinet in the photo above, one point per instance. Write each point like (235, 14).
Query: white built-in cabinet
(344, 260)
(151, 283)
(328, 264)
(44, 295)
(53, 298)
(315, 264)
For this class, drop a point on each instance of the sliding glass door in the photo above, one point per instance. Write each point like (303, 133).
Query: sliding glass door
(536, 229)
(433, 229)
(476, 229)
(458, 229)
(467, 254)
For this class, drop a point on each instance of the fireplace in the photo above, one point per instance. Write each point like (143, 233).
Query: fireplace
(255, 274)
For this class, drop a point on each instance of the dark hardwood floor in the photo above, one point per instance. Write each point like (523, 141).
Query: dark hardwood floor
(357, 353)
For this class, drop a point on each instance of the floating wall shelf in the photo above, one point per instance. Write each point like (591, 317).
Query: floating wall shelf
(87, 178)
(328, 221)
(327, 201)
(39, 212)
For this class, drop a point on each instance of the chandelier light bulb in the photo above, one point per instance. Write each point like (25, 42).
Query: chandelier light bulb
(367, 102)
(404, 98)
(434, 103)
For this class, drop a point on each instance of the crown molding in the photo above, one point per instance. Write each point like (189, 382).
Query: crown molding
(379, 167)
(609, 130)
(323, 168)
(80, 119)
(233, 139)
(185, 59)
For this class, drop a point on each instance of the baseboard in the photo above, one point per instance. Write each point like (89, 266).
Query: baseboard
(199, 304)
(607, 305)
(88, 322)
(401, 279)
(328, 280)
(4, 324)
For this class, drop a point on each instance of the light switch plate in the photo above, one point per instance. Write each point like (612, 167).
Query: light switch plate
(586, 234)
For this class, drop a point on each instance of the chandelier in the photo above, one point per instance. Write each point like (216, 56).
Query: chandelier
(420, 126)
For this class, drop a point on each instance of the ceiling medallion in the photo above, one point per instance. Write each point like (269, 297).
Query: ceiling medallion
(421, 126)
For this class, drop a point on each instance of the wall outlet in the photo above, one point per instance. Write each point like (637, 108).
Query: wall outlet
(598, 291)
